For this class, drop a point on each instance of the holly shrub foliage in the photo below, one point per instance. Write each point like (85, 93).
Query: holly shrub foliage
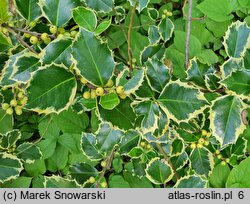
(95, 93)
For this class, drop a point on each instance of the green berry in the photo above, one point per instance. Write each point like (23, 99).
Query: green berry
(53, 29)
(119, 89)
(9, 111)
(193, 145)
(206, 143)
(199, 145)
(18, 110)
(110, 83)
(143, 144)
(201, 140)
(20, 95)
(219, 156)
(86, 95)
(61, 30)
(223, 163)
(103, 163)
(99, 91)
(73, 33)
(13, 102)
(27, 35)
(93, 94)
(104, 184)
(227, 160)
(203, 132)
(5, 106)
(44, 36)
(33, 40)
(92, 179)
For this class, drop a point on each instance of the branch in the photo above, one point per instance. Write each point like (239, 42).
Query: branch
(129, 36)
(189, 19)
(21, 40)
(184, 14)
(167, 159)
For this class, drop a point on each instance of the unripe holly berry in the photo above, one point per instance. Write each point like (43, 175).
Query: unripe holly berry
(53, 29)
(163, 16)
(110, 83)
(199, 145)
(33, 40)
(44, 36)
(217, 151)
(61, 30)
(165, 11)
(143, 144)
(24, 101)
(208, 134)
(149, 146)
(47, 41)
(20, 95)
(122, 96)
(227, 160)
(93, 94)
(9, 111)
(203, 132)
(83, 81)
(60, 36)
(133, 60)
(86, 95)
(201, 140)
(27, 35)
(223, 163)
(67, 34)
(32, 24)
(103, 163)
(104, 184)
(18, 110)
(13, 102)
(5, 106)
(73, 33)
(206, 143)
(119, 89)
(99, 91)
(219, 156)
(92, 179)
(193, 145)
(169, 13)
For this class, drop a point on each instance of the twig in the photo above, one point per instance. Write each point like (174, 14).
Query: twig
(107, 167)
(184, 14)
(21, 40)
(188, 33)
(167, 159)
(129, 36)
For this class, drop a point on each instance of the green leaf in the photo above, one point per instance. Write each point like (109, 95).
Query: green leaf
(9, 139)
(109, 101)
(140, 4)
(4, 11)
(69, 121)
(136, 152)
(35, 169)
(219, 176)
(130, 140)
(157, 73)
(71, 142)
(89, 148)
(237, 39)
(133, 83)
(20, 182)
(201, 161)
(97, 69)
(191, 181)
(28, 152)
(166, 29)
(244, 3)
(57, 52)
(58, 12)
(179, 161)
(153, 34)
(5, 42)
(29, 9)
(135, 181)
(117, 181)
(122, 115)
(85, 18)
(150, 112)
(159, 171)
(82, 172)
(24, 66)
(6, 122)
(47, 147)
(59, 182)
(208, 57)
(117, 165)
(107, 138)
(238, 176)
(10, 167)
(51, 90)
(226, 111)
(180, 101)
(101, 5)
(179, 43)
(218, 11)
(104, 25)
(231, 65)
(238, 82)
